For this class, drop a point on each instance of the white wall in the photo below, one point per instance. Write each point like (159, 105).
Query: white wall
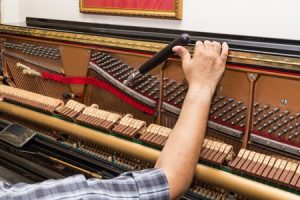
(10, 11)
(264, 18)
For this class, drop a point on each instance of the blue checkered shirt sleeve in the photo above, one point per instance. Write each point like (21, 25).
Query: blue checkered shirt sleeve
(146, 184)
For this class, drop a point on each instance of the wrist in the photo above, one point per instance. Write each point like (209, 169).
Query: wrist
(203, 90)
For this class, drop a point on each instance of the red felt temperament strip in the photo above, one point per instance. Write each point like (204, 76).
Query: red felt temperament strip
(100, 84)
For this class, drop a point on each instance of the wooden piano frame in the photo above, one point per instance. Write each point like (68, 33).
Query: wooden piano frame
(249, 55)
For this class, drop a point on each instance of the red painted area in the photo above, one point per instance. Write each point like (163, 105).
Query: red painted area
(162, 5)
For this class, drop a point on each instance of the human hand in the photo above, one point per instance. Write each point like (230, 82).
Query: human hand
(207, 65)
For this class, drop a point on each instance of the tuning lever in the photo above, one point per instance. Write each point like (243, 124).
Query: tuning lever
(160, 56)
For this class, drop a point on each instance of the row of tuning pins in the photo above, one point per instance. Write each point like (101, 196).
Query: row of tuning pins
(174, 92)
(228, 110)
(275, 122)
(112, 65)
(147, 84)
(30, 49)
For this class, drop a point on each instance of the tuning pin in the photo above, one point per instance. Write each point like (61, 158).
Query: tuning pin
(230, 100)
(165, 79)
(285, 130)
(224, 103)
(275, 110)
(256, 123)
(169, 84)
(239, 110)
(214, 110)
(275, 127)
(243, 125)
(260, 128)
(220, 114)
(291, 128)
(265, 116)
(265, 125)
(180, 100)
(153, 91)
(270, 112)
(281, 133)
(292, 117)
(256, 104)
(257, 112)
(271, 130)
(237, 103)
(266, 107)
(270, 121)
(276, 118)
(280, 125)
(286, 112)
(286, 121)
(294, 135)
(260, 119)
(220, 98)
(226, 118)
(238, 119)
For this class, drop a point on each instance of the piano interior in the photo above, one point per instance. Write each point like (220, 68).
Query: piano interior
(66, 84)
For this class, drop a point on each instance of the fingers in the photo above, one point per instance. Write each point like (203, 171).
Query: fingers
(224, 52)
(207, 43)
(183, 53)
(217, 47)
(214, 46)
(199, 48)
(208, 46)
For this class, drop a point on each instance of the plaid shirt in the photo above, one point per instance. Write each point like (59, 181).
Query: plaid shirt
(146, 184)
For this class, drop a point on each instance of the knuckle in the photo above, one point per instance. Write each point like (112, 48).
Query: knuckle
(213, 55)
(206, 54)
(210, 56)
(184, 52)
(181, 52)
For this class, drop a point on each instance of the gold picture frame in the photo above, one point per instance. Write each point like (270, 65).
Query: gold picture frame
(174, 13)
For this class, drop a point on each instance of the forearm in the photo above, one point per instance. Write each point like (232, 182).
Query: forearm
(181, 153)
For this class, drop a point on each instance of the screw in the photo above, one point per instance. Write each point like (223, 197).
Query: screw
(283, 101)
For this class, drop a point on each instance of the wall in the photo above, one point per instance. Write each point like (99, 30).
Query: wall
(268, 18)
(9, 11)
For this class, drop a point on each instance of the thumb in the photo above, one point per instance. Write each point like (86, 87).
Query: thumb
(183, 53)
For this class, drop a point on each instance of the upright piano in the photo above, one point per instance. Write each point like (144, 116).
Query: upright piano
(63, 81)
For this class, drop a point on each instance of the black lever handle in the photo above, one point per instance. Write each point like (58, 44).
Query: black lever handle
(164, 54)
